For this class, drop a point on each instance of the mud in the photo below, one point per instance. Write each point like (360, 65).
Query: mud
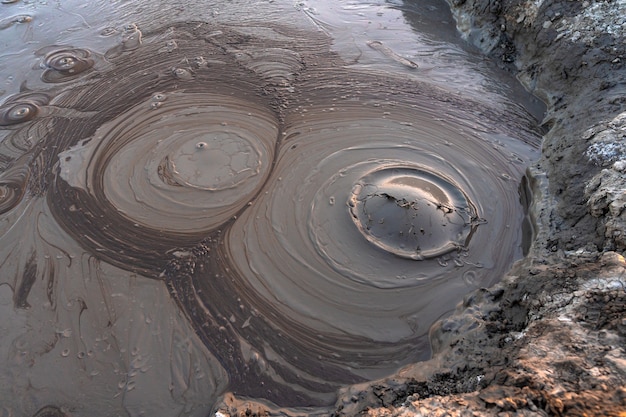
(549, 339)
(255, 174)
(287, 295)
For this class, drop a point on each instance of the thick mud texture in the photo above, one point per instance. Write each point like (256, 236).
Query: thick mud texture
(549, 339)
(298, 133)
(249, 177)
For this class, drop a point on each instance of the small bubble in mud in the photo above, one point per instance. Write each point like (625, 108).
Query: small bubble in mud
(108, 31)
(131, 28)
(182, 74)
(65, 353)
(159, 97)
(80, 355)
(171, 45)
(20, 112)
(199, 62)
(66, 62)
(201, 145)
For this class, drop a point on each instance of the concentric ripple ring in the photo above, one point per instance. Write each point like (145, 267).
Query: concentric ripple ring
(310, 223)
(184, 166)
(368, 227)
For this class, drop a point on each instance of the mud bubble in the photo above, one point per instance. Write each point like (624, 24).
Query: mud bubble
(64, 64)
(411, 212)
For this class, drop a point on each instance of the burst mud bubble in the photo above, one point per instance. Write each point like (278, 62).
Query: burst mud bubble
(311, 224)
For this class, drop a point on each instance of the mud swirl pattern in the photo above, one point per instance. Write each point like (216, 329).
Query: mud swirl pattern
(310, 223)
(181, 163)
(375, 219)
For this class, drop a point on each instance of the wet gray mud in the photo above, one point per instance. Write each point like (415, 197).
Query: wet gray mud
(547, 340)
(218, 213)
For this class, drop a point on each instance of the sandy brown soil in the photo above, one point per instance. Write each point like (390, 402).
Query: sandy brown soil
(549, 339)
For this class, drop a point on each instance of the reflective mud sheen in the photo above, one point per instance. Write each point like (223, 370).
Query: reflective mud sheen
(411, 212)
(204, 208)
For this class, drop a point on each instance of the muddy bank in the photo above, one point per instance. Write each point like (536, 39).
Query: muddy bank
(572, 55)
(548, 340)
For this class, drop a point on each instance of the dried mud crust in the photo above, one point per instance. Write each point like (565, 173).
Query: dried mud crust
(549, 339)
(572, 54)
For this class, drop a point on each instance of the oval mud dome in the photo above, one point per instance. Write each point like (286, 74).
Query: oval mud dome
(411, 212)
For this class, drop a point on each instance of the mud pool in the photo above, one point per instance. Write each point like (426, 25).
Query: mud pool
(267, 200)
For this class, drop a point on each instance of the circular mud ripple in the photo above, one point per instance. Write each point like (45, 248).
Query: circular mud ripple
(179, 163)
(327, 257)
(22, 108)
(160, 148)
(61, 65)
(12, 187)
(167, 171)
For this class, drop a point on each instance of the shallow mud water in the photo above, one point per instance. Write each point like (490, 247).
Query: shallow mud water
(270, 200)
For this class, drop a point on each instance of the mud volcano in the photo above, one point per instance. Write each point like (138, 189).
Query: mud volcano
(310, 220)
